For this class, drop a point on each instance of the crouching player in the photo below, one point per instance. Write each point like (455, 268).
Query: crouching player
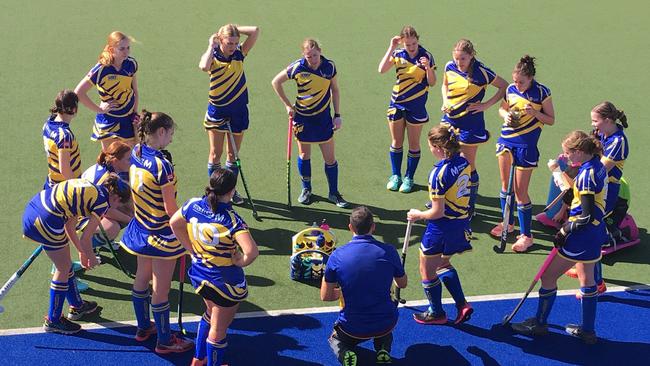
(579, 240)
(447, 231)
(364, 270)
(213, 232)
(50, 219)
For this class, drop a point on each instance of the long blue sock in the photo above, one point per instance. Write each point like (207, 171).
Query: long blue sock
(232, 166)
(412, 160)
(73, 297)
(161, 317)
(216, 351)
(141, 302)
(450, 279)
(589, 302)
(545, 304)
(304, 169)
(433, 292)
(525, 215)
(202, 336)
(473, 192)
(396, 154)
(332, 174)
(598, 273)
(212, 167)
(58, 291)
(502, 199)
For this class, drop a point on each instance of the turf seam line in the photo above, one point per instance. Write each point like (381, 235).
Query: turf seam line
(327, 309)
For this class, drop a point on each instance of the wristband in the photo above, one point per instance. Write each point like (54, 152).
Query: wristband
(337, 115)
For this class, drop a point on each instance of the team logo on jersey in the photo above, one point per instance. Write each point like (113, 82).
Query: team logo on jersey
(111, 77)
(304, 75)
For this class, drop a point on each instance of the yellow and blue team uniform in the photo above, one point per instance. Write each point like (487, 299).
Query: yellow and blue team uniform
(213, 236)
(45, 215)
(615, 149)
(115, 86)
(583, 242)
(148, 233)
(411, 88)
(44, 222)
(449, 180)
(228, 95)
(408, 102)
(449, 235)
(521, 141)
(57, 136)
(464, 88)
(312, 120)
(364, 269)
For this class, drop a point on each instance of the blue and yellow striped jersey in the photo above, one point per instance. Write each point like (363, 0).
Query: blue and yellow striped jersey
(212, 234)
(464, 88)
(75, 198)
(314, 93)
(57, 136)
(115, 85)
(148, 174)
(616, 149)
(411, 83)
(449, 179)
(529, 128)
(97, 173)
(227, 79)
(591, 179)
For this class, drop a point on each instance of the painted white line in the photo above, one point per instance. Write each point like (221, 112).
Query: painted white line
(303, 311)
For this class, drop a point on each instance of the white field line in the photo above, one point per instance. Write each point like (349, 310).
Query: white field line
(302, 311)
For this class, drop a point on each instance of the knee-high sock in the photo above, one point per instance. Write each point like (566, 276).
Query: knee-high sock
(525, 215)
(589, 302)
(304, 169)
(202, 336)
(58, 291)
(332, 174)
(396, 154)
(598, 273)
(212, 167)
(502, 199)
(412, 160)
(141, 303)
(216, 351)
(433, 292)
(73, 297)
(473, 179)
(545, 304)
(232, 166)
(450, 279)
(161, 317)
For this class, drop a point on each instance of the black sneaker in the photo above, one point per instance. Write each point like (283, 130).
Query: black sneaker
(576, 331)
(87, 307)
(429, 318)
(530, 327)
(383, 357)
(305, 196)
(338, 200)
(63, 326)
(237, 199)
(349, 358)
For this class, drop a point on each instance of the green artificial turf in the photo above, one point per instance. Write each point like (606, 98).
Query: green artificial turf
(586, 52)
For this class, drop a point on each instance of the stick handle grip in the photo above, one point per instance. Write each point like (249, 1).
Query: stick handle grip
(289, 138)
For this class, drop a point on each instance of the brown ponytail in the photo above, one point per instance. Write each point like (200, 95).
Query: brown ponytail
(608, 110)
(150, 122)
(581, 141)
(66, 102)
(444, 137)
(222, 181)
(525, 66)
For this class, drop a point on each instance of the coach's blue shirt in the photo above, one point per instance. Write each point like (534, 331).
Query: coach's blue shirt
(364, 269)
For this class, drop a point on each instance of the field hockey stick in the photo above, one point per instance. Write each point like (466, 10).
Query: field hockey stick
(16, 276)
(181, 282)
(407, 239)
(289, 150)
(539, 274)
(555, 200)
(506, 211)
(109, 243)
(241, 172)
